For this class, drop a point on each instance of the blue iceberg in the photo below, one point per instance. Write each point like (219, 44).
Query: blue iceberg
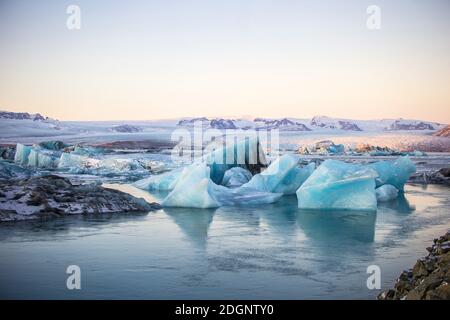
(337, 185)
(41, 159)
(395, 172)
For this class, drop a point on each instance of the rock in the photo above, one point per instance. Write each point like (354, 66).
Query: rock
(444, 132)
(52, 195)
(445, 172)
(441, 176)
(429, 277)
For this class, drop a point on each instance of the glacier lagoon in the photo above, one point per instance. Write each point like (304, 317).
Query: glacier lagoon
(273, 251)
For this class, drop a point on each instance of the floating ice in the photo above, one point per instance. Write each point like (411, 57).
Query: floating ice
(395, 172)
(195, 189)
(40, 158)
(283, 176)
(337, 185)
(236, 177)
(22, 153)
(386, 192)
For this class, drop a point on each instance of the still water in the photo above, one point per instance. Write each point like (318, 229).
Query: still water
(270, 252)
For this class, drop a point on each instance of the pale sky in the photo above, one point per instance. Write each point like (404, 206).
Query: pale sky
(141, 60)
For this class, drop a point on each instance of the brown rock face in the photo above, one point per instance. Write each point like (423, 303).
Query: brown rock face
(429, 278)
(444, 132)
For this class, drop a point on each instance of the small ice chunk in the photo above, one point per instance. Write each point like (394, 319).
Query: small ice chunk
(236, 177)
(337, 185)
(395, 172)
(386, 192)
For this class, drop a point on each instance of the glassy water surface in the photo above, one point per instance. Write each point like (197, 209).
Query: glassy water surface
(271, 252)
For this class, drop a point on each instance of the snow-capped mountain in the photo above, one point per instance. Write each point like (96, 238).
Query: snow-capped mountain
(317, 123)
(330, 123)
(402, 124)
(126, 128)
(280, 124)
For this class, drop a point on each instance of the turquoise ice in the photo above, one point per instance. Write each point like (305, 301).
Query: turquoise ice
(395, 172)
(337, 185)
(22, 153)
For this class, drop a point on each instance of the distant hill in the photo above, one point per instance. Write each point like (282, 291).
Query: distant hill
(22, 116)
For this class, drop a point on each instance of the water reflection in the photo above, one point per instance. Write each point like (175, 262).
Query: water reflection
(338, 226)
(193, 222)
(399, 205)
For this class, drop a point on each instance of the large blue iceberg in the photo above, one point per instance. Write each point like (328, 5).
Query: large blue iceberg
(339, 186)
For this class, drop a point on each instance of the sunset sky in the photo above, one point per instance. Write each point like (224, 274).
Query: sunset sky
(139, 60)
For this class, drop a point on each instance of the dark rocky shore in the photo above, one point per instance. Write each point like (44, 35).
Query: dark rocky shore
(54, 196)
(429, 279)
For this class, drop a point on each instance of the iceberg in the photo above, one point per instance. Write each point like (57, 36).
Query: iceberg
(35, 157)
(22, 153)
(195, 189)
(38, 158)
(282, 176)
(337, 185)
(236, 177)
(395, 172)
(386, 192)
